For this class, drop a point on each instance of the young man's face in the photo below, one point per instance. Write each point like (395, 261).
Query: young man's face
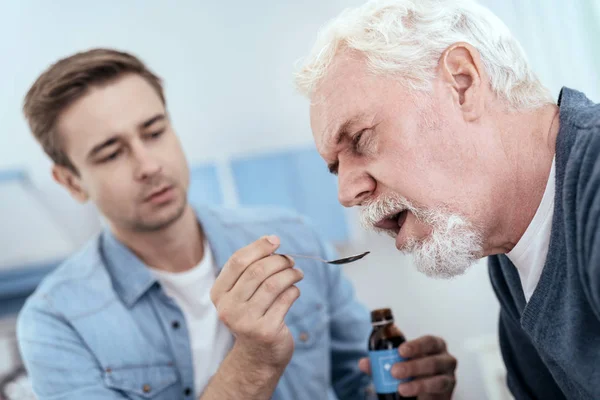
(129, 161)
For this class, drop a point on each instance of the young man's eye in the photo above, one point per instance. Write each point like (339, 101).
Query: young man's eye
(112, 156)
(155, 135)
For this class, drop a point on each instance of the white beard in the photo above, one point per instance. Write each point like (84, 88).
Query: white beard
(451, 248)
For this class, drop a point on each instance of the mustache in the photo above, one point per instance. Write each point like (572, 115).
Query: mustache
(382, 207)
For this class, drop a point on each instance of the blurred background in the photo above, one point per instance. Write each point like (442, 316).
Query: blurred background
(228, 66)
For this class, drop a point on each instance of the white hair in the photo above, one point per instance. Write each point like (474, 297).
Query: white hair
(448, 251)
(407, 38)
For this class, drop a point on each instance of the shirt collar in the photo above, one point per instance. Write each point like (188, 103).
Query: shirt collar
(132, 278)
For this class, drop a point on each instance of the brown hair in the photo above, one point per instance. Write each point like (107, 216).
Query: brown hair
(69, 79)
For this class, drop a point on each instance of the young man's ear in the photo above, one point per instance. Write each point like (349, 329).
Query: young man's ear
(71, 181)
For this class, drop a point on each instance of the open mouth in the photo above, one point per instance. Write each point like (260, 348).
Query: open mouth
(393, 222)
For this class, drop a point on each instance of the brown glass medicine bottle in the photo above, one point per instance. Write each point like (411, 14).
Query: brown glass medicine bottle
(383, 354)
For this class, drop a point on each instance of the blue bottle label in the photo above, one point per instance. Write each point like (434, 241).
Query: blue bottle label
(381, 370)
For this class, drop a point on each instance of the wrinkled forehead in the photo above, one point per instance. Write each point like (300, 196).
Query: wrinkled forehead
(342, 95)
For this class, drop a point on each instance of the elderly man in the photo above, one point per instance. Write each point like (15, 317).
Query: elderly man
(435, 124)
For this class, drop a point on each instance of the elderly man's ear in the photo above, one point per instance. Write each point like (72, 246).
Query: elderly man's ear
(462, 72)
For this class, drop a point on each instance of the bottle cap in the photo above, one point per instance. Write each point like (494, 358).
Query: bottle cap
(382, 316)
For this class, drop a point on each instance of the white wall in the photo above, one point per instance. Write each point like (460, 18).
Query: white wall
(227, 67)
(559, 38)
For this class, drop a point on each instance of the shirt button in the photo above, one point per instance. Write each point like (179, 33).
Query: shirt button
(303, 337)
(187, 391)
(175, 324)
(146, 388)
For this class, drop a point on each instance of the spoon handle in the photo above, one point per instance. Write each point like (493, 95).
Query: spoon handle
(303, 256)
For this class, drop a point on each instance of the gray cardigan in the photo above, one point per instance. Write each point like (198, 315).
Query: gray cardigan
(551, 345)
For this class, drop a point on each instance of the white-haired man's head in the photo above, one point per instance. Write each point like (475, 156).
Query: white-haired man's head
(427, 111)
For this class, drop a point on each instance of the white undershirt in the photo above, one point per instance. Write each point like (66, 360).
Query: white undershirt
(529, 255)
(210, 340)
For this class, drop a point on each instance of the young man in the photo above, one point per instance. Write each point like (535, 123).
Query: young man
(434, 122)
(172, 301)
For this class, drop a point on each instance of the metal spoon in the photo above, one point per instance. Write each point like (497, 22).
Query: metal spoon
(339, 261)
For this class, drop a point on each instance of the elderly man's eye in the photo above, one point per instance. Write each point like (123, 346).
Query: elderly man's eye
(356, 141)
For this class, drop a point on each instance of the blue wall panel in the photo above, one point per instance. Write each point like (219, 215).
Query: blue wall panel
(293, 179)
(205, 187)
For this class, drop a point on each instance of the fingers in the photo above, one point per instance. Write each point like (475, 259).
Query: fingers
(257, 273)
(261, 318)
(252, 295)
(433, 385)
(272, 288)
(364, 365)
(429, 365)
(422, 346)
(424, 367)
(239, 261)
(278, 310)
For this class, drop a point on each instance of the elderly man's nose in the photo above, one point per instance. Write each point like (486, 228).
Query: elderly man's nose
(354, 189)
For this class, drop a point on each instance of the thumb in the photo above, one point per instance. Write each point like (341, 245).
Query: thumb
(364, 365)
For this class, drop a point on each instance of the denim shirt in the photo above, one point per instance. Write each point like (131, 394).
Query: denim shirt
(101, 327)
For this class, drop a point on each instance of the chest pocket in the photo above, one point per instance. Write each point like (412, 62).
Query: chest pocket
(147, 382)
(308, 324)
